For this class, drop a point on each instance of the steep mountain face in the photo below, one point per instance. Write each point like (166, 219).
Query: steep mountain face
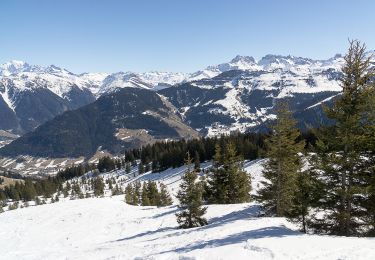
(128, 118)
(239, 100)
(32, 95)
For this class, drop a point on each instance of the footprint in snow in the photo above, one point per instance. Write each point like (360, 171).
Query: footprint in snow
(257, 251)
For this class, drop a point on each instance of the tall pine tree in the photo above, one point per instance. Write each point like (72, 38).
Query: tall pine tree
(283, 164)
(343, 150)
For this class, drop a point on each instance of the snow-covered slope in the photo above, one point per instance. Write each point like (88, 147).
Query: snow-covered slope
(107, 228)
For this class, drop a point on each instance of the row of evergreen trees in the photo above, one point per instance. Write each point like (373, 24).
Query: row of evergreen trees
(33, 191)
(155, 157)
(331, 190)
(163, 155)
(224, 183)
(147, 194)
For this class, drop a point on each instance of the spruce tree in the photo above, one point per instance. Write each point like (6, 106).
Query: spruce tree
(153, 193)
(129, 194)
(190, 197)
(283, 164)
(165, 198)
(218, 180)
(145, 201)
(76, 190)
(98, 187)
(228, 183)
(368, 191)
(141, 168)
(239, 182)
(137, 193)
(197, 164)
(127, 168)
(29, 191)
(306, 197)
(343, 150)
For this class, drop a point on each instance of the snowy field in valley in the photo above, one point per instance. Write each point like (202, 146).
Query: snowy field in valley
(107, 228)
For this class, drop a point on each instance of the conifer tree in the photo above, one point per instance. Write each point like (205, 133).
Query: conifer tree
(165, 197)
(65, 192)
(137, 193)
(218, 182)
(29, 191)
(238, 181)
(306, 197)
(155, 165)
(98, 186)
(76, 190)
(129, 193)
(343, 149)
(147, 167)
(153, 193)
(368, 151)
(197, 164)
(141, 168)
(283, 164)
(190, 197)
(145, 201)
(127, 168)
(228, 182)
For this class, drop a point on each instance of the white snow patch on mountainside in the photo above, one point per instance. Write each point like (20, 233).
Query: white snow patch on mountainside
(108, 228)
(24, 76)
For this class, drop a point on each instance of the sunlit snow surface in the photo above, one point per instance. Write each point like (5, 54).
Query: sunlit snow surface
(107, 228)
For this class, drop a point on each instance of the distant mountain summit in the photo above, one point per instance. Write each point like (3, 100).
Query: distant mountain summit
(238, 95)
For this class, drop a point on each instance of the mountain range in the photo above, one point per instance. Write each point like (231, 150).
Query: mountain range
(238, 95)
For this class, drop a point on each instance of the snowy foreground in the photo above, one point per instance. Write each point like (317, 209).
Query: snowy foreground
(107, 228)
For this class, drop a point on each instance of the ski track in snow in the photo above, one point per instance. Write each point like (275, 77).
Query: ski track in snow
(108, 228)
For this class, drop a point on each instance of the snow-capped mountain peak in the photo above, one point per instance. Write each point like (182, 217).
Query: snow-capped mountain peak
(57, 70)
(15, 66)
(271, 61)
(237, 63)
(60, 80)
(243, 59)
(122, 80)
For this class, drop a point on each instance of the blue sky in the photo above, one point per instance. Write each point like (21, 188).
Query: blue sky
(176, 35)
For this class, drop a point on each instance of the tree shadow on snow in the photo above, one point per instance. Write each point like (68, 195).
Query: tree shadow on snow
(247, 213)
(147, 233)
(244, 214)
(173, 211)
(237, 238)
